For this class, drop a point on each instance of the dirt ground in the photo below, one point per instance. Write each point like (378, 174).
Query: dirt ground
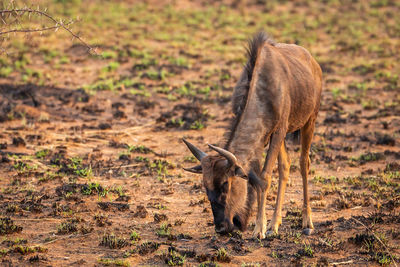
(91, 152)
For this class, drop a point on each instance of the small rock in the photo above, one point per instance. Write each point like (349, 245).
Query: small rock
(18, 141)
(141, 212)
(386, 140)
(104, 126)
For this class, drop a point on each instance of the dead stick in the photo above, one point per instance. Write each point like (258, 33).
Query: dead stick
(377, 238)
(34, 30)
(64, 237)
(60, 23)
(343, 262)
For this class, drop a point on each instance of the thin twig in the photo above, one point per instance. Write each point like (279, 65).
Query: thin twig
(64, 237)
(124, 166)
(341, 263)
(54, 240)
(34, 30)
(377, 238)
(59, 24)
(38, 220)
(325, 243)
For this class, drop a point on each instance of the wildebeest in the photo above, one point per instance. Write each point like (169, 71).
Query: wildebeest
(278, 93)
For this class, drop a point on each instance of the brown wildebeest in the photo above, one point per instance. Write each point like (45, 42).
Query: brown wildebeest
(278, 93)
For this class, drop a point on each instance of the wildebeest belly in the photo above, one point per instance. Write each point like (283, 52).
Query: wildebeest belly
(301, 111)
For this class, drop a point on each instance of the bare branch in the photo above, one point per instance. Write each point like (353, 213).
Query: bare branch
(35, 30)
(58, 24)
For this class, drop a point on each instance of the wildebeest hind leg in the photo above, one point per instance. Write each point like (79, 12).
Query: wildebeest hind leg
(306, 137)
(284, 168)
(272, 154)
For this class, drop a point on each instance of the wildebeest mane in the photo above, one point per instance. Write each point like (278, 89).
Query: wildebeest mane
(242, 87)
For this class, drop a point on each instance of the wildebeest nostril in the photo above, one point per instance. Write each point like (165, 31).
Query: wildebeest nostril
(237, 222)
(220, 230)
(224, 228)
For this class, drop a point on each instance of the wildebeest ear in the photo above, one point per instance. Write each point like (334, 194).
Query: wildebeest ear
(240, 173)
(195, 169)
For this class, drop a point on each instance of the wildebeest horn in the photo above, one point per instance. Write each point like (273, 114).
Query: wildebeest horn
(195, 151)
(228, 155)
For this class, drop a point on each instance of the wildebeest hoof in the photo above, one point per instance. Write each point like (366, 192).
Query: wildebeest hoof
(308, 231)
(271, 233)
(259, 231)
(258, 234)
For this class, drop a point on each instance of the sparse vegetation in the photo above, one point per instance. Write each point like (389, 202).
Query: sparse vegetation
(135, 236)
(112, 241)
(7, 226)
(173, 258)
(96, 188)
(27, 250)
(113, 262)
(147, 247)
(222, 255)
(164, 230)
(42, 153)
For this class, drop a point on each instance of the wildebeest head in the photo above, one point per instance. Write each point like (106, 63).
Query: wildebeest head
(226, 187)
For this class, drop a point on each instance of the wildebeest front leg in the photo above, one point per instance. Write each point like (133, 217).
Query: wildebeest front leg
(306, 136)
(284, 168)
(272, 154)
